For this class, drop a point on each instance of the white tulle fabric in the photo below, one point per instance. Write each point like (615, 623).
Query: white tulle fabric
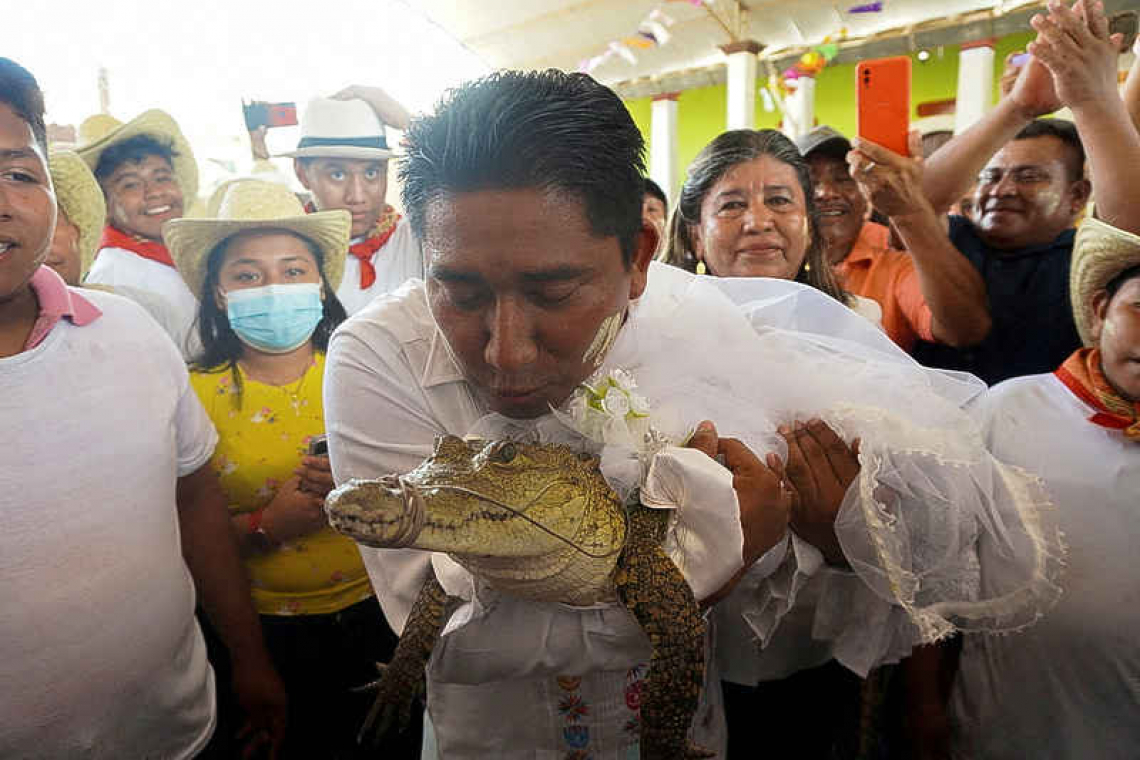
(939, 535)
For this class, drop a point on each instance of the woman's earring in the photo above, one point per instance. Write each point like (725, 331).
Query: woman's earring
(701, 268)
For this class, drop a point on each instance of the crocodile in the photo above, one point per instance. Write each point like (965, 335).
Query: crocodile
(537, 521)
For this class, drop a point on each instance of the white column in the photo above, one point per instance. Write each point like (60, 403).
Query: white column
(975, 83)
(800, 114)
(663, 143)
(742, 64)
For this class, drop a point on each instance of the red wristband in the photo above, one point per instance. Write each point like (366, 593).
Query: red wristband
(255, 518)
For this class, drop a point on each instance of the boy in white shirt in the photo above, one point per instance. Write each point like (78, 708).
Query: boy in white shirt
(1069, 687)
(148, 175)
(112, 517)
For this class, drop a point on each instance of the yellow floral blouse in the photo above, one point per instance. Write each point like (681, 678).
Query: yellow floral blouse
(263, 433)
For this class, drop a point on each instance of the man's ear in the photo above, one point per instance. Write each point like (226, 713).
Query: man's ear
(1082, 190)
(299, 170)
(645, 248)
(1099, 312)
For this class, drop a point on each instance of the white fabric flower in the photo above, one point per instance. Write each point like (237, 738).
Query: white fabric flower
(616, 402)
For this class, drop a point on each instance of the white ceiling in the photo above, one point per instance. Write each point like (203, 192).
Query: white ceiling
(563, 33)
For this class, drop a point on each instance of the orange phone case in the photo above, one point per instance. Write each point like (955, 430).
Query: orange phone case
(883, 88)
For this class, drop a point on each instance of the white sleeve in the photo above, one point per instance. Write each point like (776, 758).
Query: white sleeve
(194, 433)
(103, 271)
(378, 423)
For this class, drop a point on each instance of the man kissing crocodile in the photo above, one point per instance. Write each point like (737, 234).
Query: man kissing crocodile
(542, 322)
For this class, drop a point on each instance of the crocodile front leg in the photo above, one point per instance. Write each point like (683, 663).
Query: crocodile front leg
(402, 679)
(653, 589)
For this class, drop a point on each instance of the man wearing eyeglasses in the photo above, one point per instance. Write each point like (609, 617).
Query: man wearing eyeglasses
(1031, 190)
(1026, 203)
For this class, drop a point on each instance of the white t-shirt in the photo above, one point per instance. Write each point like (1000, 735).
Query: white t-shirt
(119, 267)
(397, 260)
(102, 656)
(1069, 686)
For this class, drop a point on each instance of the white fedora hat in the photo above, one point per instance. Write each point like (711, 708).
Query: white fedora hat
(341, 129)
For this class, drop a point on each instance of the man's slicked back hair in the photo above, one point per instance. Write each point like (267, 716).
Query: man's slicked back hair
(550, 130)
(20, 91)
(1066, 132)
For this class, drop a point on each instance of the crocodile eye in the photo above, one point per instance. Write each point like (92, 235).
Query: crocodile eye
(506, 453)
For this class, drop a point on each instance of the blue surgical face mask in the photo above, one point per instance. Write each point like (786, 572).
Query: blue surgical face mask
(275, 318)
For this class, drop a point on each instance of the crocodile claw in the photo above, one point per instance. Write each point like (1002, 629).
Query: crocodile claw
(390, 705)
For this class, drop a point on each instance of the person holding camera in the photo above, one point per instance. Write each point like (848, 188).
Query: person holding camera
(266, 274)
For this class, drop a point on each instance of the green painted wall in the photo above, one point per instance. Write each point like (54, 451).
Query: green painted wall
(701, 112)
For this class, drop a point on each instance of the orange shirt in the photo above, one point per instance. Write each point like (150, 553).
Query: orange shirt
(875, 270)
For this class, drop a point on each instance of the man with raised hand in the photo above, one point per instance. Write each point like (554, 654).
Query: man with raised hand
(342, 159)
(1031, 190)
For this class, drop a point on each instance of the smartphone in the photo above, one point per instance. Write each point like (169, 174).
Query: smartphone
(319, 446)
(883, 88)
(259, 113)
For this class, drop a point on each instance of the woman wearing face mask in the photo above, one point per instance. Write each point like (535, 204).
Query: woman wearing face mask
(746, 210)
(265, 274)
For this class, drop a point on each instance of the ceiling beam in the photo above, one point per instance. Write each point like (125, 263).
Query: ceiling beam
(936, 33)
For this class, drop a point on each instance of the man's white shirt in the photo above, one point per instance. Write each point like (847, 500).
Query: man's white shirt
(1068, 687)
(397, 261)
(118, 267)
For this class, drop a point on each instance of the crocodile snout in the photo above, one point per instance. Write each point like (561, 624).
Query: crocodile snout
(372, 512)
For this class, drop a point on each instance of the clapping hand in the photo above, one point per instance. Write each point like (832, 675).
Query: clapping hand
(1081, 56)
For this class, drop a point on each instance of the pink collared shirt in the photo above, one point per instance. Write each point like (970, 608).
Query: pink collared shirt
(56, 302)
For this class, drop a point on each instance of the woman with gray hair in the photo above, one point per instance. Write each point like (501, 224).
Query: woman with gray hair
(746, 210)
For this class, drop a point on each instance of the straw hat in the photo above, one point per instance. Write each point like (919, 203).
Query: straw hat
(80, 199)
(1100, 252)
(155, 123)
(255, 205)
(341, 129)
(97, 126)
(214, 201)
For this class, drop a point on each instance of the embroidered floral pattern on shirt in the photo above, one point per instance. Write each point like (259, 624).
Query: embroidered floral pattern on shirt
(573, 710)
(634, 685)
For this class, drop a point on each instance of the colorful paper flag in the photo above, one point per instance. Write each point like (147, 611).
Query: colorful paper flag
(624, 52)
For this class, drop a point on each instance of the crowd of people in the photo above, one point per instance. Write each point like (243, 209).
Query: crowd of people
(900, 444)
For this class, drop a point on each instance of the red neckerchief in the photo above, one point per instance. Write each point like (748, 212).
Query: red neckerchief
(148, 249)
(367, 248)
(1081, 373)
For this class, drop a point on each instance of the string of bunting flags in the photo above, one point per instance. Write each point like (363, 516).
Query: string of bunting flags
(816, 59)
(653, 31)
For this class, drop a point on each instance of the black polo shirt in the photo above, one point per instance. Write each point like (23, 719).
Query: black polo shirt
(1033, 329)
